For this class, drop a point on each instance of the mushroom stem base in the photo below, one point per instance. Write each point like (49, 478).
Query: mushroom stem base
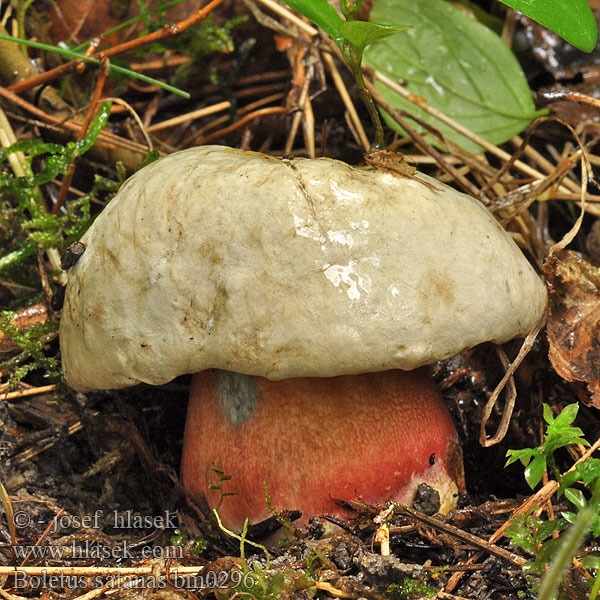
(314, 441)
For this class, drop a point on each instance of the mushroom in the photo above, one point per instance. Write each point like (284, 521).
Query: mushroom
(305, 295)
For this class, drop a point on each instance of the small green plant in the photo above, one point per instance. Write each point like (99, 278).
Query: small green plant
(28, 229)
(352, 37)
(411, 588)
(194, 546)
(255, 581)
(32, 355)
(559, 433)
(221, 477)
(313, 561)
(281, 518)
(258, 581)
(40, 230)
(556, 542)
(459, 66)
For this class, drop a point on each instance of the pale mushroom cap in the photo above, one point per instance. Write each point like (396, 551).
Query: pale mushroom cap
(219, 258)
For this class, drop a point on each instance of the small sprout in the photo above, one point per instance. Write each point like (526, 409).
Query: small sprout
(194, 546)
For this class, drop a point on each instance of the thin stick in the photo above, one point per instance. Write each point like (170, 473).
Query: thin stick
(172, 30)
(256, 114)
(345, 96)
(333, 591)
(135, 116)
(280, 10)
(302, 77)
(43, 536)
(195, 114)
(33, 452)
(66, 181)
(463, 536)
(106, 136)
(308, 125)
(221, 120)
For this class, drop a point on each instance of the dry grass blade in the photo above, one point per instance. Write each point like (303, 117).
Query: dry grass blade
(484, 440)
(282, 11)
(586, 171)
(135, 116)
(195, 114)
(10, 517)
(44, 389)
(110, 140)
(44, 445)
(345, 96)
(274, 110)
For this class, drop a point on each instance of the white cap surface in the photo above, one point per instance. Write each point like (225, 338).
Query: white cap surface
(219, 258)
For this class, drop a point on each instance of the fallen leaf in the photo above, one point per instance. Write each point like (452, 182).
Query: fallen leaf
(574, 320)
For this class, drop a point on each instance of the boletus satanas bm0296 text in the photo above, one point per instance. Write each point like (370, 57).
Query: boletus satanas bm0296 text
(304, 295)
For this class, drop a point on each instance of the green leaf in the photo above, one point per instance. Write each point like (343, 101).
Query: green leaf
(12, 258)
(96, 126)
(567, 480)
(589, 470)
(362, 33)
(591, 561)
(576, 497)
(546, 528)
(149, 158)
(566, 416)
(519, 533)
(573, 20)
(525, 455)
(458, 65)
(322, 14)
(569, 516)
(535, 470)
(548, 414)
(559, 432)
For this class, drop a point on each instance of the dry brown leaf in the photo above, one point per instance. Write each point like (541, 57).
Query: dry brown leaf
(574, 320)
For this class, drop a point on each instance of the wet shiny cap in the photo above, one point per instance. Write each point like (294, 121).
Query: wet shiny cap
(220, 258)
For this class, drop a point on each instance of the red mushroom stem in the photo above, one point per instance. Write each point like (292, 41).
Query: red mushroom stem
(369, 437)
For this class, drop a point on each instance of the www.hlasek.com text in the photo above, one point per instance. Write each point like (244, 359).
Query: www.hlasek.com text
(84, 549)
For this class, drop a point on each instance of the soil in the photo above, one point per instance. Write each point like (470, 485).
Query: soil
(95, 476)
